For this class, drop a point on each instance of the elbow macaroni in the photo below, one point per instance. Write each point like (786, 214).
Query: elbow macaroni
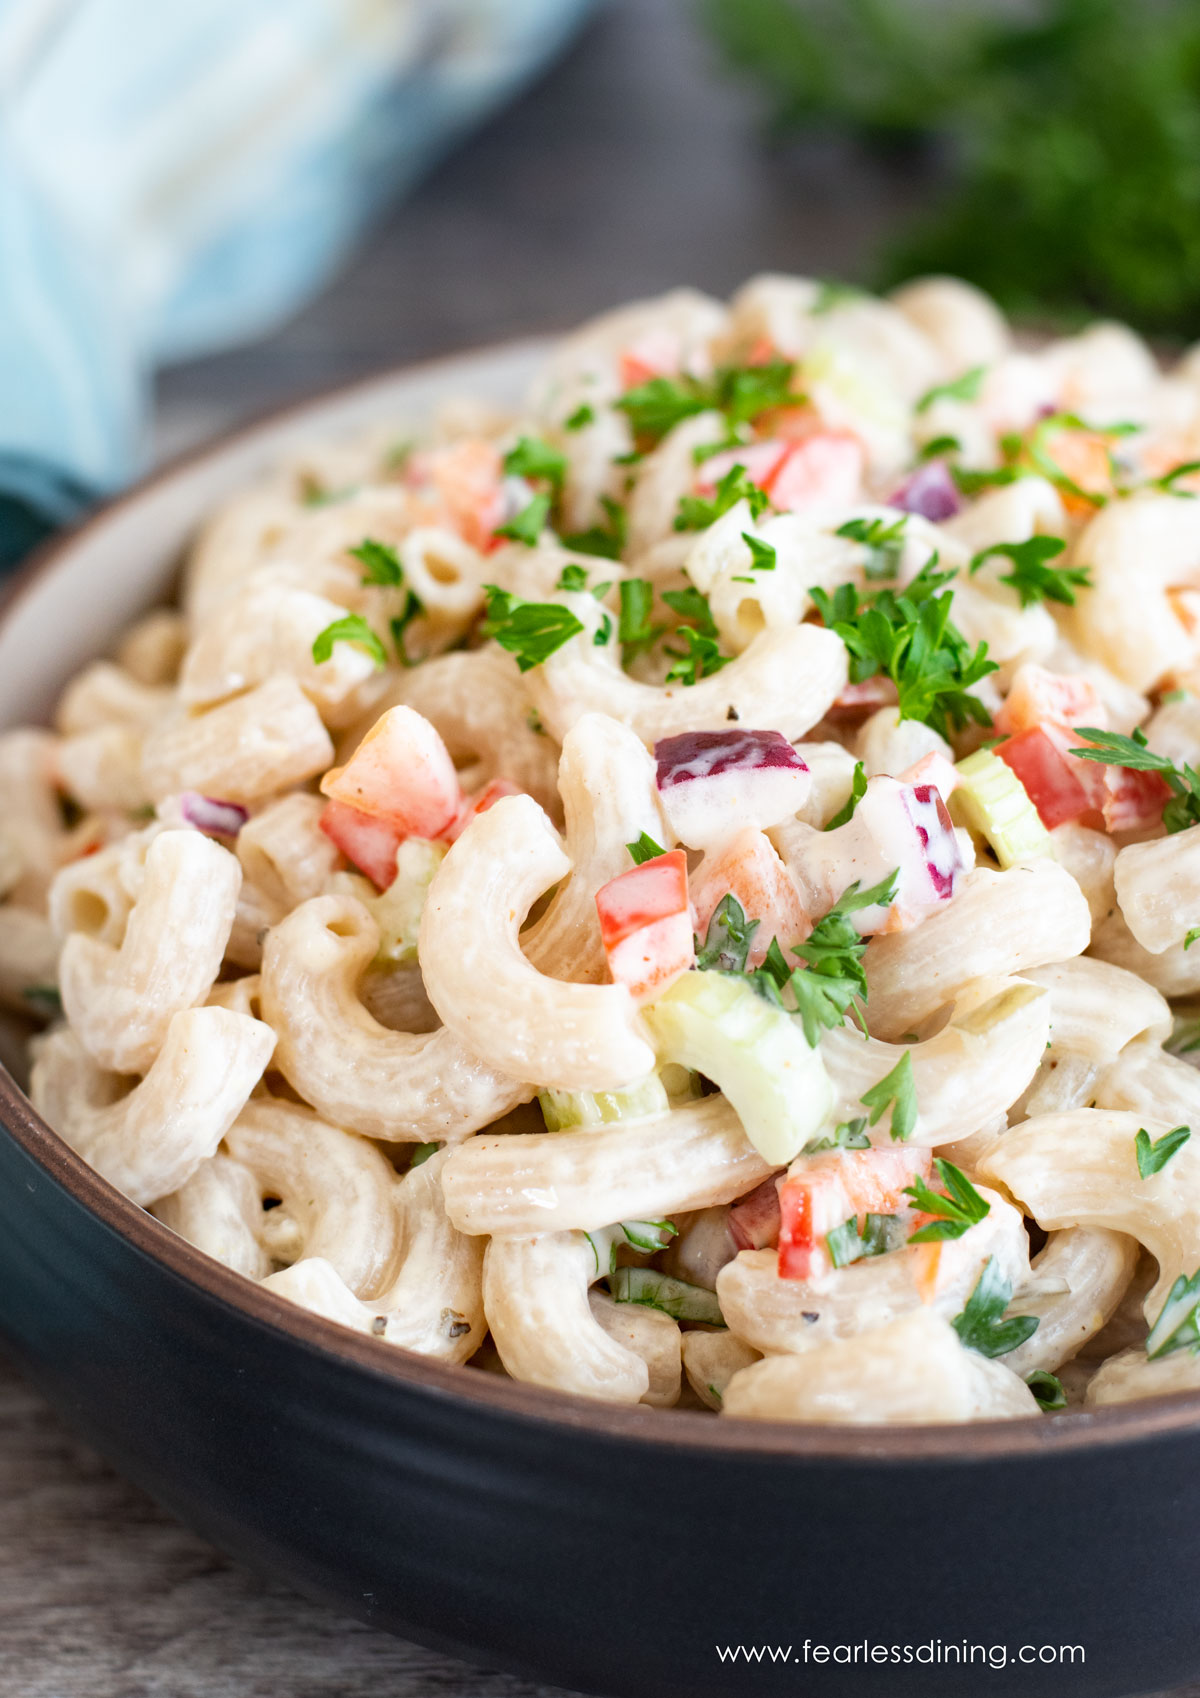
(309, 1035)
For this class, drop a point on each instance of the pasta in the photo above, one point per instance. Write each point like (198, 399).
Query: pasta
(661, 892)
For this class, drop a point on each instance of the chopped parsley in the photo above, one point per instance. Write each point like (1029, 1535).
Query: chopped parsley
(1168, 481)
(833, 981)
(45, 1000)
(762, 555)
(702, 655)
(698, 512)
(635, 629)
(858, 789)
(383, 567)
(831, 293)
(959, 1209)
(381, 561)
(530, 630)
(982, 1326)
(584, 414)
(645, 849)
(937, 446)
(533, 458)
(604, 541)
(1153, 1155)
(1111, 748)
(728, 937)
(741, 393)
(527, 525)
(675, 1297)
(848, 1135)
(909, 638)
(1191, 937)
(1047, 1388)
(850, 1243)
(1031, 576)
(351, 628)
(884, 543)
(899, 1089)
(972, 479)
(1178, 1323)
(964, 388)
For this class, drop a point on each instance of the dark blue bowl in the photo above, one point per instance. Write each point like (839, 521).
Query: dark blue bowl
(614, 1550)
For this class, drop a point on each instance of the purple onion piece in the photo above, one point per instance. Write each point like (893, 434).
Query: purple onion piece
(931, 493)
(225, 819)
(707, 754)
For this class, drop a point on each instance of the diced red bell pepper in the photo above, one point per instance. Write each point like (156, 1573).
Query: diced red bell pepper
(401, 772)
(822, 1192)
(645, 924)
(1050, 775)
(827, 466)
(654, 354)
(369, 843)
(1039, 697)
(495, 790)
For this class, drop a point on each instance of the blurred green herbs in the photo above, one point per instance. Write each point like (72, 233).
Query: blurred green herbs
(1070, 130)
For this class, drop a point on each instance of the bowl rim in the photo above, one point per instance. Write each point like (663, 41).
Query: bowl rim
(1162, 1416)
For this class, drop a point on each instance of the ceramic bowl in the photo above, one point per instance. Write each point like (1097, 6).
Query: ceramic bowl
(627, 1552)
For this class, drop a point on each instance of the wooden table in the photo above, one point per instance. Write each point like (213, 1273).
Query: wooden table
(633, 168)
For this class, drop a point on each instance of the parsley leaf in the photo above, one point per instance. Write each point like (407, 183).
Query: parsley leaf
(982, 1326)
(833, 980)
(762, 555)
(879, 1234)
(858, 789)
(528, 524)
(351, 628)
(1032, 578)
(939, 445)
(745, 392)
(909, 638)
(848, 1135)
(884, 543)
(964, 388)
(1191, 937)
(635, 630)
(645, 849)
(606, 542)
(533, 458)
(1153, 1155)
(1110, 748)
(1185, 469)
(728, 938)
(1047, 1388)
(584, 414)
(831, 292)
(899, 1089)
(658, 405)
(381, 561)
(960, 1208)
(572, 577)
(1178, 1323)
(383, 567)
(530, 630)
(699, 659)
(697, 512)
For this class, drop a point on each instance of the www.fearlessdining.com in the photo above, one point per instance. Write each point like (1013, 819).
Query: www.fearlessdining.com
(930, 1651)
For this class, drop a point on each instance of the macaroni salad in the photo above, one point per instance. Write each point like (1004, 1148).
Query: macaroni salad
(685, 890)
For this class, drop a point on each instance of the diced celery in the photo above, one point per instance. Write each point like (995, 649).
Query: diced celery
(398, 910)
(991, 800)
(754, 1052)
(565, 1110)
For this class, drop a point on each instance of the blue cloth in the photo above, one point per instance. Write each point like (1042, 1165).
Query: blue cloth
(178, 176)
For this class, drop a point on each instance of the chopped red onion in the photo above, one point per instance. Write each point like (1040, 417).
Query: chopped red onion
(226, 819)
(931, 493)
